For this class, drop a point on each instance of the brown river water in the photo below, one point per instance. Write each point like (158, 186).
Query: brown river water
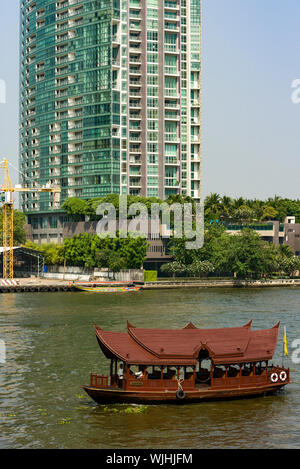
(51, 350)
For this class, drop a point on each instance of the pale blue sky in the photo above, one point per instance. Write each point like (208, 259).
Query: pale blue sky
(251, 128)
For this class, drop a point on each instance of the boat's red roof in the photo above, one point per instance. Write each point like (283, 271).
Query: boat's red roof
(179, 347)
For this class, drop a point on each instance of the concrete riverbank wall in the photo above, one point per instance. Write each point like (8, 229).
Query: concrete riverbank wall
(54, 285)
(217, 283)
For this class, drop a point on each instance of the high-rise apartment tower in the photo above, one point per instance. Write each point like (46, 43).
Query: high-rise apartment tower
(110, 98)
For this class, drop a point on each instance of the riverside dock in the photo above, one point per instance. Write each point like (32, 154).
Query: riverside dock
(34, 285)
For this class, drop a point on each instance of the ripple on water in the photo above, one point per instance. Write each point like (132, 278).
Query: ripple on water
(51, 350)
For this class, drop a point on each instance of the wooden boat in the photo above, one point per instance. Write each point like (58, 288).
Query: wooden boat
(106, 287)
(187, 365)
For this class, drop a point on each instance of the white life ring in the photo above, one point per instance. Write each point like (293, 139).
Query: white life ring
(274, 377)
(283, 376)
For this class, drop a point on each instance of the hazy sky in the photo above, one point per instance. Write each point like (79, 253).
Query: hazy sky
(251, 128)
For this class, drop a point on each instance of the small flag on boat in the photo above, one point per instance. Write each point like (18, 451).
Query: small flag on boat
(286, 352)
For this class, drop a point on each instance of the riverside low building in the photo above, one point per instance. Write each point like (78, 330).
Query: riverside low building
(287, 233)
(43, 233)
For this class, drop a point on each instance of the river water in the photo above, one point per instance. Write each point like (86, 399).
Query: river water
(51, 350)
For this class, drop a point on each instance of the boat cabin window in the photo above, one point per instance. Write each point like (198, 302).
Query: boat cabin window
(233, 371)
(169, 372)
(247, 369)
(189, 372)
(204, 365)
(139, 372)
(203, 372)
(260, 369)
(133, 369)
(219, 371)
(154, 372)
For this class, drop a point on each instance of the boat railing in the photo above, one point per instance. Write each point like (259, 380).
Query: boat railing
(239, 378)
(99, 381)
(158, 383)
(274, 374)
(161, 383)
(225, 382)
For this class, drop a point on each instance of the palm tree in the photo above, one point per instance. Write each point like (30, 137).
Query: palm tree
(226, 203)
(286, 250)
(237, 203)
(275, 199)
(258, 208)
(213, 203)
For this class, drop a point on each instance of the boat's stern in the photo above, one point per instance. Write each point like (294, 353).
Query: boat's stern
(279, 375)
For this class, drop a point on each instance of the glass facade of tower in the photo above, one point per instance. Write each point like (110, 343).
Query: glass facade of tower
(110, 98)
(70, 111)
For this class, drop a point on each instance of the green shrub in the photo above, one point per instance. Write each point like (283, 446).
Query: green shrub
(150, 276)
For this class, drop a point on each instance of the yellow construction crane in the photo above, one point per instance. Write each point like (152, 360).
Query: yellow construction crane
(8, 215)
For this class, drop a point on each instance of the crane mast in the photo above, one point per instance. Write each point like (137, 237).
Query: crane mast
(8, 216)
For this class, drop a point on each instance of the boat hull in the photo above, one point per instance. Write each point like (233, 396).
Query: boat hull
(108, 289)
(113, 395)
